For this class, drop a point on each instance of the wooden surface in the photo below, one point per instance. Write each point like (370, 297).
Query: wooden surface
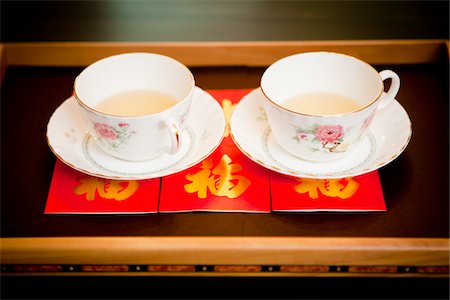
(3, 62)
(226, 251)
(251, 54)
(390, 244)
(419, 208)
(229, 256)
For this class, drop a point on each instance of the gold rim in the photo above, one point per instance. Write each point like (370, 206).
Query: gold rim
(326, 116)
(80, 101)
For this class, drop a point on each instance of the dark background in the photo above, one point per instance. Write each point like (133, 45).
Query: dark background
(216, 20)
(26, 21)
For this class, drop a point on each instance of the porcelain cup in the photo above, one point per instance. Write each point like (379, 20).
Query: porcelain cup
(324, 138)
(135, 138)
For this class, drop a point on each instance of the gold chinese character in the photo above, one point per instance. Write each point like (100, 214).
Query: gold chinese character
(220, 181)
(106, 188)
(228, 108)
(328, 187)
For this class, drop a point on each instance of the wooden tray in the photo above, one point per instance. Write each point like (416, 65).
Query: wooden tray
(264, 254)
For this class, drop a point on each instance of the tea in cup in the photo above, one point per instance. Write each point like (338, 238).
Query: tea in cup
(320, 104)
(136, 104)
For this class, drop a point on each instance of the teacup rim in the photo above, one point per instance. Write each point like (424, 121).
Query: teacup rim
(85, 105)
(329, 115)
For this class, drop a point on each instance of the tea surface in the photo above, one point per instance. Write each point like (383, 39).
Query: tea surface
(320, 104)
(136, 103)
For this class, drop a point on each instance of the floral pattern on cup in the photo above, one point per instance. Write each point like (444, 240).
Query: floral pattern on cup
(114, 136)
(329, 137)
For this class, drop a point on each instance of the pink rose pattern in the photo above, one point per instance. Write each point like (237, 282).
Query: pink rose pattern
(330, 137)
(329, 133)
(114, 135)
(302, 136)
(106, 131)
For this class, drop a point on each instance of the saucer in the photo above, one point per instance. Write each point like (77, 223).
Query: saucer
(67, 137)
(389, 134)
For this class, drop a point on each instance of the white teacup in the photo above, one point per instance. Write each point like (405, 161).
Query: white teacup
(320, 104)
(135, 127)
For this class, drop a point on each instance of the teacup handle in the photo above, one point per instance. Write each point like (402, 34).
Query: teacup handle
(388, 98)
(175, 135)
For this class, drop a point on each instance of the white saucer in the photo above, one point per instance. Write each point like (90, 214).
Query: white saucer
(68, 139)
(389, 134)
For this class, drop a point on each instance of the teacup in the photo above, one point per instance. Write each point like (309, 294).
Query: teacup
(320, 104)
(135, 104)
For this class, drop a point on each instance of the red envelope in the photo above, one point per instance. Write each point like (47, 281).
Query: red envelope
(359, 193)
(225, 181)
(73, 192)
